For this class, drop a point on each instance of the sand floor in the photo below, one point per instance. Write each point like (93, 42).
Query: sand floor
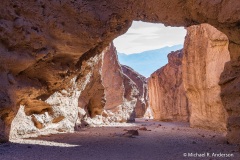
(161, 141)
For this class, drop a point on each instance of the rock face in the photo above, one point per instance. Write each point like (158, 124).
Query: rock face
(205, 54)
(167, 95)
(112, 77)
(44, 43)
(140, 83)
(100, 94)
(108, 88)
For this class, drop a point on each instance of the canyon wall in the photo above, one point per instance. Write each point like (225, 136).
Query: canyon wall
(122, 92)
(100, 94)
(141, 84)
(167, 95)
(188, 86)
(44, 43)
(205, 54)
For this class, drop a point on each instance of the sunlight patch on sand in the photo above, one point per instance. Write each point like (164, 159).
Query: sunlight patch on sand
(43, 143)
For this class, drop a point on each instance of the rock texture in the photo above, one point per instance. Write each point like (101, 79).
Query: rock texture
(110, 89)
(43, 44)
(100, 95)
(205, 54)
(141, 85)
(167, 95)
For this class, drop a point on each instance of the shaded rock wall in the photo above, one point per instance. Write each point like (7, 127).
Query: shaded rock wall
(65, 105)
(92, 98)
(141, 84)
(205, 54)
(167, 95)
(42, 48)
(43, 44)
(100, 94)
(112, 79)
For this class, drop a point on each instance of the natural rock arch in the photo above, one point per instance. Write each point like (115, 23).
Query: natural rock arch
(43, 44)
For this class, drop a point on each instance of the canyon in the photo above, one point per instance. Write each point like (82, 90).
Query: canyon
(187, 88)
(52, 75)
(165, 140)
(103, 93)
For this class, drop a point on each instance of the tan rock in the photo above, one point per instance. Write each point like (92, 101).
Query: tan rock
(205, 54)
(92, 96)
(43, 43)
(112, 79)
(131, 94)
(149, 113)
(123, 89)
(36, 123)
(141, 84)
(167, 95)
(58, 119)
(115, 107)
(100, 94)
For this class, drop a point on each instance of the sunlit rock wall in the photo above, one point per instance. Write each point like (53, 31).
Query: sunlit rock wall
(205, 54)
(167, 95)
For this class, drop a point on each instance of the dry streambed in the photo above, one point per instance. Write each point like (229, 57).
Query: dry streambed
(141, 140)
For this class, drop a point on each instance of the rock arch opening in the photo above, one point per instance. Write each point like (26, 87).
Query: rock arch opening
(144, 47)
(28, 61)
(172, 106)
(181, 90)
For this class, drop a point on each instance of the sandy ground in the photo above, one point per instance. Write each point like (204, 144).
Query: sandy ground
(161, 141)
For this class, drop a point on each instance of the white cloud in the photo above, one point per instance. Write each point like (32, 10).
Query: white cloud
(144, 36)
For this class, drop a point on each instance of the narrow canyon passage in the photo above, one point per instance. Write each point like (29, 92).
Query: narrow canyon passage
(161, 140)
(107, 93)
(65, 95)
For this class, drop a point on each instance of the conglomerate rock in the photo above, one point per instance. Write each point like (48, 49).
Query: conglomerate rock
(205, 54)
(167, 95)
(43, 44)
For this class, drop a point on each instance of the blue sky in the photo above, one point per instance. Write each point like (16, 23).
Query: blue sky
(144, 36)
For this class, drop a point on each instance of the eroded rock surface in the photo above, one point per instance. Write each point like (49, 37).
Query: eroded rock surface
(205, 54)
(117, 107)
(167, 95)
(100, 95)
(141, 85)
(43, 44)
